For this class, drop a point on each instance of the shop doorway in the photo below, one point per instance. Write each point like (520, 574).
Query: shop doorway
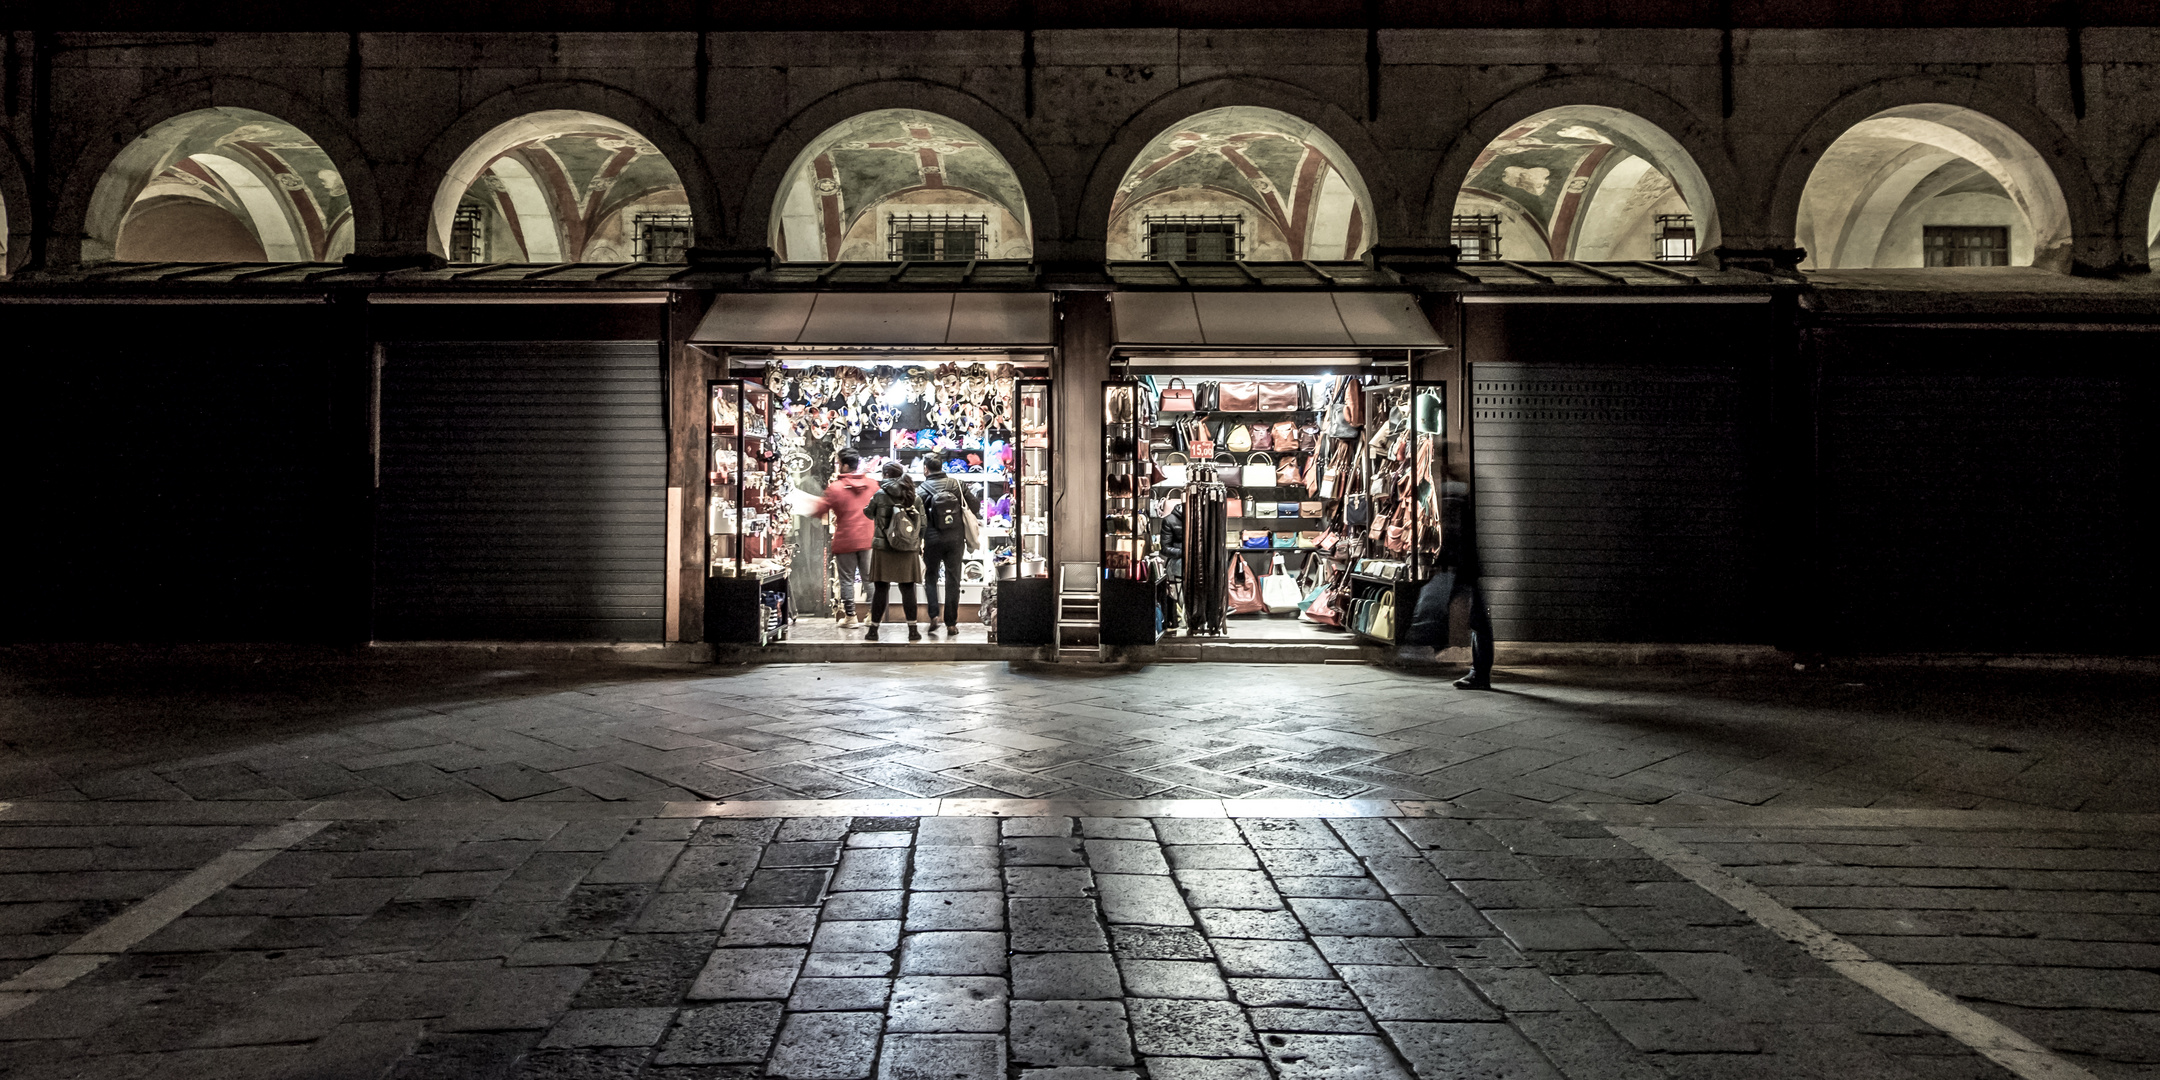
(1286, 503)
(801, 451)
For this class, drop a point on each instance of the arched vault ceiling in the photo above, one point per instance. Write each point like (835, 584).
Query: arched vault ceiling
(1536, 163)
(875, 156)
(1253, 153)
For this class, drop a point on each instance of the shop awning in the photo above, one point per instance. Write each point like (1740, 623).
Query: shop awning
(1271, 320)
(880, 320)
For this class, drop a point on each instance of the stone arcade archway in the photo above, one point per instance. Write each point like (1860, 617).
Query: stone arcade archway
(1585, 182)
(220, 185)
(1890, 180)
(561, 186)
(855, 190)
(1282, 184)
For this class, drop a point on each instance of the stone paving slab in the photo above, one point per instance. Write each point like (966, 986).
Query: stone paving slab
(1621, 969)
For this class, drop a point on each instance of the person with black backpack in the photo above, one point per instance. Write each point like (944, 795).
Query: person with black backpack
(896, 513)
(945, 501)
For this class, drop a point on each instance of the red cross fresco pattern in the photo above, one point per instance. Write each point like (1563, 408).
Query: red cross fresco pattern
(1293, 218)
(923, 141)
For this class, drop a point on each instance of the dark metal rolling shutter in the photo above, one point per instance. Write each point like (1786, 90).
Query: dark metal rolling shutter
(523, 492)
(1980, 510)
(1611, 502)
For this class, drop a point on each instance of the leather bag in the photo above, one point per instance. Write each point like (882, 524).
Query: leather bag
(1176, 470)
(1233, 507)
(1176, 398)
(1226, 468)
(1279, 591)
(1286, 473)
(1279, 396)
(1285, 435)
(1263, 437)
(1283, 541)
(1308, 539)
(1382, 623)
(1254, 539)
(1239, 440)
(1237, 396)
(1259, 471)
(1244, 591)
(1309, 509)
(1260, 509)
(1357, 510)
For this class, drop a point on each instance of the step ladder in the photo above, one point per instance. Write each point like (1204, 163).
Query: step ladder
(1079, 607)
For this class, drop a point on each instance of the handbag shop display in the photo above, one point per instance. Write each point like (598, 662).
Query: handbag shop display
(775, 441)
(1242, 504)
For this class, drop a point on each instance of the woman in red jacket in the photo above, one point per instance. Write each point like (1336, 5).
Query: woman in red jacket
(845, 497)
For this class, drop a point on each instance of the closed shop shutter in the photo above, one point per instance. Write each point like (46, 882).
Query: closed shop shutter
(1988, 508)
(523, 492)
(1611, 503)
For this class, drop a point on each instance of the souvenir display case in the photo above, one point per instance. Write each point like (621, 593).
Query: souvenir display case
(748, 527)
(1131, 614)
(1025, 596)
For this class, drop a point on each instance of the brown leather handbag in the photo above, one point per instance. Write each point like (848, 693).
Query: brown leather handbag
(1279, 396)
(1286, 436)
(1263, 437)
(1286, 473)
(1240, 396)
(1244, 589)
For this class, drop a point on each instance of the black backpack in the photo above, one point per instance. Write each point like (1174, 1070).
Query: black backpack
(945, 504)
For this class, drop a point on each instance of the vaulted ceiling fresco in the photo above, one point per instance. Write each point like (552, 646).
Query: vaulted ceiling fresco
(1295, 187)
(850, 180)
(226, 185)
(1578, 183)
(564, 186)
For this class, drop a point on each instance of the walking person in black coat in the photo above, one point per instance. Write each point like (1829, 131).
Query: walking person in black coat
(1456, 574)
(944, 499)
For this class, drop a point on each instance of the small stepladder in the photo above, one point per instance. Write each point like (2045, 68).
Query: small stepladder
(1079, 607)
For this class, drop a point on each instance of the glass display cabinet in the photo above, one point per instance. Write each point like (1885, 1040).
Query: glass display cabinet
(749, 531)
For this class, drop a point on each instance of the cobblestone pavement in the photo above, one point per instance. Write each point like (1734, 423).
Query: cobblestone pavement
(600, 873)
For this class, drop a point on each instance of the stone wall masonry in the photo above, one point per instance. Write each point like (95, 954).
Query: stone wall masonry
(1096, 96)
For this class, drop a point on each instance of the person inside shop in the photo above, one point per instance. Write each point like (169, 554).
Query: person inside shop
(896, 516)
(945, 500)
(1457, 575)
(845, 499)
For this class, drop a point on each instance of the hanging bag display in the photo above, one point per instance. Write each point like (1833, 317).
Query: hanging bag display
(1237, 396)
(1259, 471)
(1176, 398)
(1244, 591)
(1279, 590)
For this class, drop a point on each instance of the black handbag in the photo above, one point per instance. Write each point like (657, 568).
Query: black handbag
(1205, 396)
(1357, 510)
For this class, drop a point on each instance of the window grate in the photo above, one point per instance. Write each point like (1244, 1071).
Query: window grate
(1477, 236)
(1965, 245)
(937, 237)
(661, 238)
(1675, 238)
(1196, 237)
(468, 235)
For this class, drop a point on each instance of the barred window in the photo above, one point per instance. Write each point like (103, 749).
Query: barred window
(1477, 235)
(937, 237)
(1196, 237)
(468, 235)
(1675, 237)
(661, 238)
(1966, 245)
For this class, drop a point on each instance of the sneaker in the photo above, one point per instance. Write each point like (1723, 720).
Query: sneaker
(872, 635)
(850, 623)
(1473, 681)
(952, 630)
(912, 633)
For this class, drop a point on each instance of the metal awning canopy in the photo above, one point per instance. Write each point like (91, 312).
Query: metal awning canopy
(1270, 320)
(880, 320)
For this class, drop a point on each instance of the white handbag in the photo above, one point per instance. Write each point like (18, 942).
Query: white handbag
(1259, 471)
(1279, 590)
(1176, 470)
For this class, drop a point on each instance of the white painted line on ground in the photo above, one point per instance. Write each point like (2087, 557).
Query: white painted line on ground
(1997, 1043)
(127, 929)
